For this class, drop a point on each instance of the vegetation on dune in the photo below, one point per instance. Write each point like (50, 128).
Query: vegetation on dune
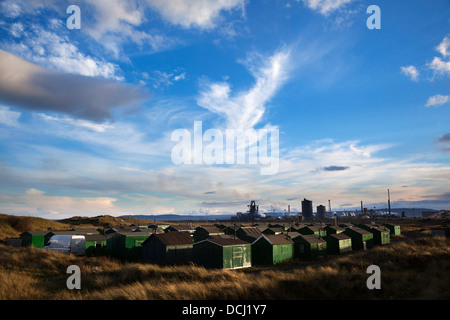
(413, 266)
(413, 269)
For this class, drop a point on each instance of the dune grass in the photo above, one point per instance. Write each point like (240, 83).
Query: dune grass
(411, 269)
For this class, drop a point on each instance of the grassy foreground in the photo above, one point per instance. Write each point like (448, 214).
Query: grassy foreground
(410, 269)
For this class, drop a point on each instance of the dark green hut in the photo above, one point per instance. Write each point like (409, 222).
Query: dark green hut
(201, 233)
(180, 228)
(318, 231)
(226, 253)
(394, 228)
(271, 249)
(34, 238)
(334, 229)
(381, 235)
(361, 239)
(338, 243)
(273, 231)
(126, 245)
(249, 234)
(309, 246)
(168, 248)
(95, 244)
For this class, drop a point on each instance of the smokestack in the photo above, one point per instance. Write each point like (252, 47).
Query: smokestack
(362, 210)
(289, 208)
(389, 202)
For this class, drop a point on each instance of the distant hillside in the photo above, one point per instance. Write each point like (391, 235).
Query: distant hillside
(177, 217)
(12, 226)
(106, 220)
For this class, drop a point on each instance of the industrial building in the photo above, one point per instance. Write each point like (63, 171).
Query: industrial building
(321, 212)
(307, 210)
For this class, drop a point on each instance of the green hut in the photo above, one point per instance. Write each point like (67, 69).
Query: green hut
(366, 226)
(271, 249)
(249, 234)
(338, 243)
(381, 235)
(318, 231)
(334, 229)
(126, 245)
(226, 253)
(201, 233)
(180, 228)
(95, 244)
(361, 239)
(394, 228)
(273, 231)
(309, 246)
(34, 238)
(168, 248)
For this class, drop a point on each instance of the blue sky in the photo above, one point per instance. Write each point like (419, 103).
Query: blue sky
(86, 116)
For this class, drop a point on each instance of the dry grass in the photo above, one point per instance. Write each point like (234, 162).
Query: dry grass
(412, 269)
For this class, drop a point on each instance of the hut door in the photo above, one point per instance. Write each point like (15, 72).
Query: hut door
(238, 257)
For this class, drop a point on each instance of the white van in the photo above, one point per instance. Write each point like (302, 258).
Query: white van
(68, 244)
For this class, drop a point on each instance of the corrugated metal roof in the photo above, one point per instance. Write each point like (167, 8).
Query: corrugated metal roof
(251, 231)
(312, 238)
(95, 237)
(292, 234)
(340, 236)
(211, 229)
(359, 230)
(182, 227)
(173, 238)
(275, 239)
(133, 234)
(37, 232)
(224, 242)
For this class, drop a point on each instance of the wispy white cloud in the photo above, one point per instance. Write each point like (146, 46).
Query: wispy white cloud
(440, 66)
(411, 72)
(8, 117)
(245, 109)
(201, 14)
(443, 47)
(325, 7)
(55, 51)
(437, 100)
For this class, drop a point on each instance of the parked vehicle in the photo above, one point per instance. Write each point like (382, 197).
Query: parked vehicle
(69, 244)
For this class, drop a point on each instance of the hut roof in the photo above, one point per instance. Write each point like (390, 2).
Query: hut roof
(312, 238)
(251, 231)
(172, 238)
(275, 239)
(210, 229)
(95, 237)
(359, 230)
(36, 232)
(224, 242)
(340, 236)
